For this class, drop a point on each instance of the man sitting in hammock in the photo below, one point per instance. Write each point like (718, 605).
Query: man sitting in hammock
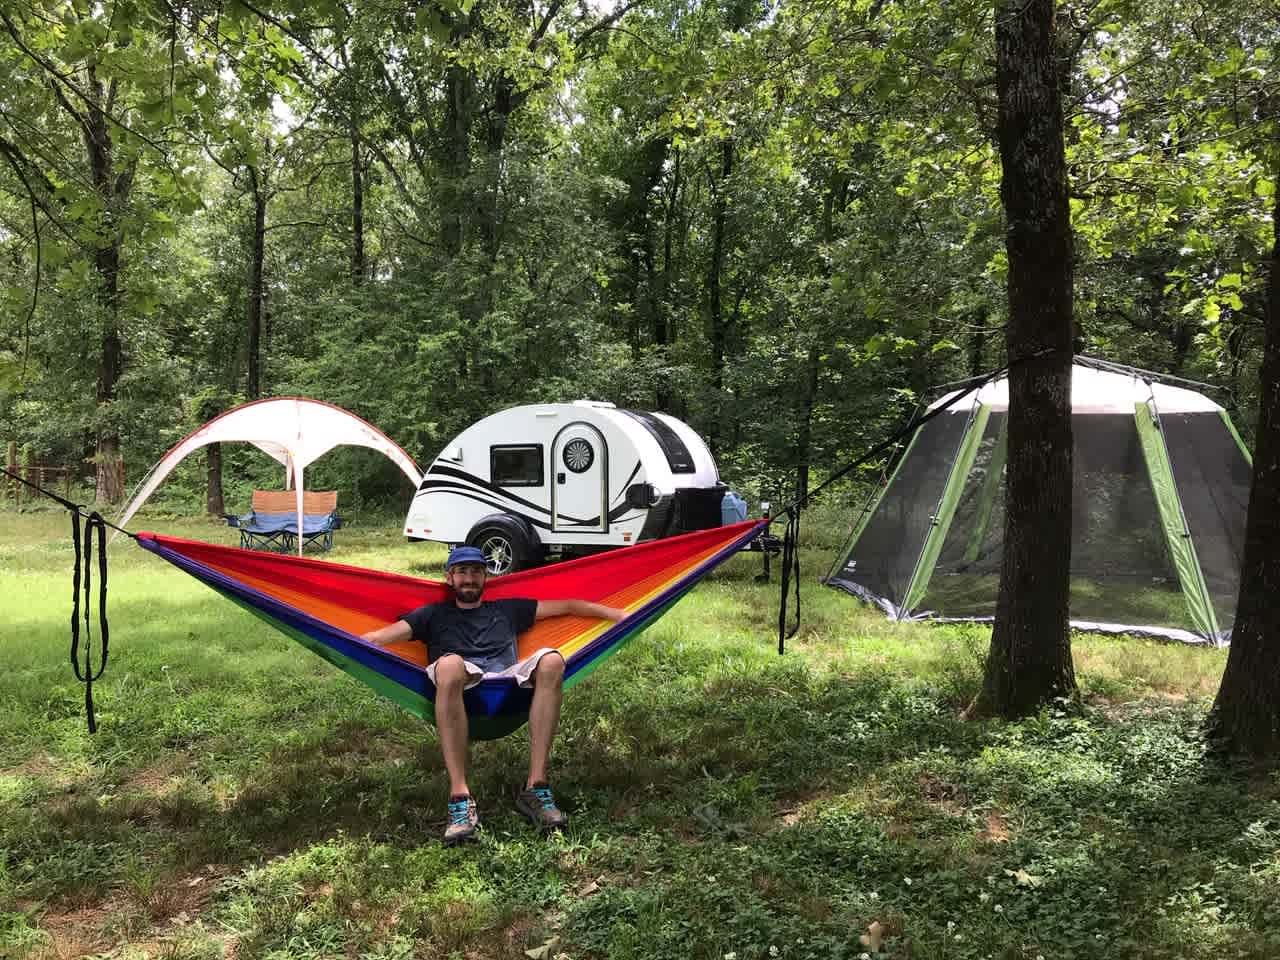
(469, 638)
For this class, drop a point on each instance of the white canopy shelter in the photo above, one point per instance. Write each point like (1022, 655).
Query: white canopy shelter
(293, 430)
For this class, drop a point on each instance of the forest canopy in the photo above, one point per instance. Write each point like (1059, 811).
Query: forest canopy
(779, 221)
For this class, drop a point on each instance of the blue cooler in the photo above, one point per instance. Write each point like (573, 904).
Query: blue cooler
(733, 509)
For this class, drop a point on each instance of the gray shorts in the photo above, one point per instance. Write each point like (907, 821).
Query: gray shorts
(521, 671)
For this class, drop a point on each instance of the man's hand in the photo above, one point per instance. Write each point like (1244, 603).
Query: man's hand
(391, 633)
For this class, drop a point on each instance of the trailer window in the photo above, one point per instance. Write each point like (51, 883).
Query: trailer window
(516, 465)
(679, 459)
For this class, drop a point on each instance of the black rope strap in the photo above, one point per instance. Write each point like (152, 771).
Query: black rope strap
(790, 543)
(87, 675)
(92, 521)
(790, 574)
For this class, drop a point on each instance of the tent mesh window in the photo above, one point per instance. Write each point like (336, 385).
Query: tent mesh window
(966, 579)
(1121, 571)
(884, 556)
(1213, 480)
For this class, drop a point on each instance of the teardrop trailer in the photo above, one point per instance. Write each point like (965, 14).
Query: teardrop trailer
(568, 479)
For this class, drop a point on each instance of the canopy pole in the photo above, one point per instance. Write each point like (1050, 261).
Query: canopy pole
(297, 476)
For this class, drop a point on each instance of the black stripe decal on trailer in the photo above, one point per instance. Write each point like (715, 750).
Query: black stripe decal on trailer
(626, 483)
(454, 472)
(486, 487)
(471, 494)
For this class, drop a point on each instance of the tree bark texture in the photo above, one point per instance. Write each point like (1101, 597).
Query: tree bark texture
(357, 208)
(254, 387)
(455, 157)
(715, 279)
(1246, 714)
(1030, 658)
(214, 504)
(113, 188)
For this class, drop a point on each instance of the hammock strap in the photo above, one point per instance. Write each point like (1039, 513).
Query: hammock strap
(790, 574)
(83, 562)
(790, 551)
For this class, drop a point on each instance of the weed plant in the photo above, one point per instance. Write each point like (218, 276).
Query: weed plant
(243, 799)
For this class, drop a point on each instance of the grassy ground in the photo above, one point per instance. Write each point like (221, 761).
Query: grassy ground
(243, 799)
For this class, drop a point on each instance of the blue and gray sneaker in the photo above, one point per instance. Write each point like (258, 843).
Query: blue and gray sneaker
(464, 818)
(537, 803)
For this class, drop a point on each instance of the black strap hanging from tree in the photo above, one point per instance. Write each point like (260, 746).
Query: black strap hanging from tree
(790, 571)
(791, 537)
(92, 521)
(87, 675)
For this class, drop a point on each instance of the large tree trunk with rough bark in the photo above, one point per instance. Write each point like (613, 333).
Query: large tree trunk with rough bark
(357, 207)
(256, 286)
(1030, 659)
(715, 278)
(1246, 715)
(214, 503)
(112, 187)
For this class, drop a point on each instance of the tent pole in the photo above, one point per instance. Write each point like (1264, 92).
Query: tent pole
(1173, 520)
(940, 522)
(869, 509)
(987, 496)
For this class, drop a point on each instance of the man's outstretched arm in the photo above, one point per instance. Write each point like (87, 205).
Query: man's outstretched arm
(391, 633)
(577, 608)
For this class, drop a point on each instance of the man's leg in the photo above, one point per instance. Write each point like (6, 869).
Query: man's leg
(451, 721)
(544, 714)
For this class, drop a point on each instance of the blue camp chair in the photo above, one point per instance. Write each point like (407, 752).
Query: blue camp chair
(272, 523)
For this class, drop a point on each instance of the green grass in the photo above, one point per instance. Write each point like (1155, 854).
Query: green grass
(241, 798)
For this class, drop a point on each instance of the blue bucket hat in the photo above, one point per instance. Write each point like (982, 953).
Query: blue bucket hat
(464, 555)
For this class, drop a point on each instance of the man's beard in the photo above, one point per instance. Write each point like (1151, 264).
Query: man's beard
(468, 594)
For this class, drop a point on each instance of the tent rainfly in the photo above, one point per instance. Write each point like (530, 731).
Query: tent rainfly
(293, 430)
(1159, 498)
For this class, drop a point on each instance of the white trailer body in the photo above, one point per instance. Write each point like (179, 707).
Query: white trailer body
(566, 478)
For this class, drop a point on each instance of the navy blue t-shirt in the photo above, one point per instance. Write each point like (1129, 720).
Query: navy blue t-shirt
(485, 635)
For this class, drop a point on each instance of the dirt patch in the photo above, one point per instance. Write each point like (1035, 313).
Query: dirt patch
(1150, 703)
(39, 766)
(949, 797)
(796, 807)
(187, 897)
(995, 829)
(156, 780)
(76, 931)
(44, 768)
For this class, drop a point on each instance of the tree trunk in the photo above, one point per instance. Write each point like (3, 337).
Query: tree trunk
(213, 501)
(834, 200)
(715, 308)
(254, 388)
(456, 150)
(1030, 659)
(113, 190)
(357, 208)
(978, 345)
(664, 332)
(1246, 714)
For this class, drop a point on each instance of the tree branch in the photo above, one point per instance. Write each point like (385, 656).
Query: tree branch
(65, 79)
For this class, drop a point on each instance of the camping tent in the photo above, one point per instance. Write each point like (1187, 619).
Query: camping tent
(1159, 497)
(293, 430)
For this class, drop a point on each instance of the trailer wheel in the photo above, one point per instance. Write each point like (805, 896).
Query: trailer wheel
(506, 542)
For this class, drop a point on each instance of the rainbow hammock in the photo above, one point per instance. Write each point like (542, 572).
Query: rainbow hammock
(325, 606)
